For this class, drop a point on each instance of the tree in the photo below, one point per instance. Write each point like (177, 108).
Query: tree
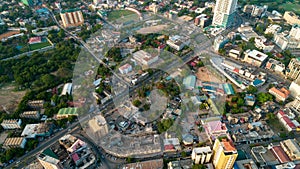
(251, 89)
(270, 116)
(183, 154)
(264, 97)
(240, 102)
(198, 166)
(202, 106)
(137, 103)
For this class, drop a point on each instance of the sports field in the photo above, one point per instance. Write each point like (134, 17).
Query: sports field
(39, 45)
(116, 14)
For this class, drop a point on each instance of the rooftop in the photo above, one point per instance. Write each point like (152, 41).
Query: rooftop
(13, 141)
(67, 111)
(152, 164)
(257, 55)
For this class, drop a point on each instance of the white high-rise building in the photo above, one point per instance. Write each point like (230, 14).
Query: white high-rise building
(201, 155)
(224, 12)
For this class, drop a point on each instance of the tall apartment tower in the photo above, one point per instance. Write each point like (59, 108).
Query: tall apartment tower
(225, 154)
(224, 13)
(293, 69)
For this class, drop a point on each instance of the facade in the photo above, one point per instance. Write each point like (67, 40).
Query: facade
(49, 160)
(14, 142)
(178, 42)
(272, 29)
(293, 69)
(145, 58)
(280, 94)
(66, 112)
(288, 40)
(11, 124)
(125, 68)
(291, 18)
(295, 31)
(219, 43)
(225, 154)
(253, 10)
(296, 103)
(255, 57)
(224, 13)
(98, 126)
(295, 88)
(201, 155)
(291, 148)
(30, 115)
(275, 65)
(71, 18)
(36, 104)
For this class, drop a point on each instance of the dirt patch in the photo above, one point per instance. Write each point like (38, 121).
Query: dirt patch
(152, 29)
(204, 75)
(9, 99)
(8, 34)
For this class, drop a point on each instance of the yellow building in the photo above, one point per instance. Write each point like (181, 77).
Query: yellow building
(71, 18)
(291, 18)
(225, 154)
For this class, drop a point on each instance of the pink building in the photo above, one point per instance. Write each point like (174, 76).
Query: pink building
(215, 129)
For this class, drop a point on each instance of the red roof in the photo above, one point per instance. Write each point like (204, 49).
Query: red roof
(289, 122)
(75, 157)
(169, 147)
(35, 40)
(236, 70)
(280, 154)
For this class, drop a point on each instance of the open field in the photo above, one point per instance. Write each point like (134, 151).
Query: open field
(205, 75)
(117, 14)
(39, 45)
(152, 29)
(10, 98)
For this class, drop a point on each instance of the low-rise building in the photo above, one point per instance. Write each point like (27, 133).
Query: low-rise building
(247, 32)
(280, 94)
(125, 68)
(37, 130)
(66, 112)
(189, 82)
(152, 164)
(14, 142)
(250, 100)
(272, 29)
(275, 65)
(8, 124)
(215, 129)
(245, 164)
(291, 148)
(145, 58)
(201, 155)
(178, 42)
(171, 145)
(254, 10)
(291, 18)
(296, 103)
(255, 57)
(67, 89)
(98, 126)
(49, 159)
(35, 40)
(234, 53)
(262, 44)
(30, 114)
(286, 121)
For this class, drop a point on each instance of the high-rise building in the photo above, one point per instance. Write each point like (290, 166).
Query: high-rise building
(224, 13)
(49, 159)
(293, 69)
(201, 155)
(225, 154)
(71, 18)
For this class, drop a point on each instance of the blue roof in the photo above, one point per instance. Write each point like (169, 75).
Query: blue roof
(257, 82)
(228, 88)
(189, 82)
(209, 88)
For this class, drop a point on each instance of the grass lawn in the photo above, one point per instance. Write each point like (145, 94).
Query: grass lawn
(276, 126)
(39, 45)
(116, 14)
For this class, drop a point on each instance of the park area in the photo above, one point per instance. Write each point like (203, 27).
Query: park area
(117, 14)
(280, 5)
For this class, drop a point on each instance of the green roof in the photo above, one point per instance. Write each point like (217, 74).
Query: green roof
(50, 153)
(68, 111)
(190, 81)
(228, 89)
